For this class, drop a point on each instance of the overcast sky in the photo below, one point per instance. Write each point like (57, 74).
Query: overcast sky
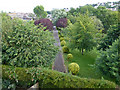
(28, 5)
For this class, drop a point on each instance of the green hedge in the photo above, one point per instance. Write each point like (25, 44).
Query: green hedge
(51, 79)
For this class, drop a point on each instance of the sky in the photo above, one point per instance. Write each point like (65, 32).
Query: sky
(28, 5)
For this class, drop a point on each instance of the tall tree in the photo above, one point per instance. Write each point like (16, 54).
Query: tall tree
(82, 33)
(39, 11)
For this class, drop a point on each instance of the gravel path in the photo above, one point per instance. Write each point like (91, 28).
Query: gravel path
(59, 60)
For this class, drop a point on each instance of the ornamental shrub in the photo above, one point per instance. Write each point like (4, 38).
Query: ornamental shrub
(65, 49)
(25, 45)
(69, 56)
(62, 23)
(63, 43)
(73, 68)
(45, 22)
(61, 38)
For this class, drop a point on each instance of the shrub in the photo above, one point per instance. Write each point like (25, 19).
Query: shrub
(63, 43)
(61, 38)
(62, 23)
(65, 49)
(69, 56)
(50, 79)
(25, 45)
(73, 68)
(45, 22)
(108, 61)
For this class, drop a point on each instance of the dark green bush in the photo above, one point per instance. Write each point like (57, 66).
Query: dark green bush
(25, 45)
(108, 62)
(51, 79)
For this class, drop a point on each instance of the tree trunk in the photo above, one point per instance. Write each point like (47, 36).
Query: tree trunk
(82, 51)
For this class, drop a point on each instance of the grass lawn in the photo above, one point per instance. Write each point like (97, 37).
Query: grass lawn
(85, 61)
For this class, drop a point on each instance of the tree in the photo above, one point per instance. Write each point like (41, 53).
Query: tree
(98, 23)
(57, 14)
(108, 62)
(39, 11)
(82, 33)
(107, 17)
(112, 34)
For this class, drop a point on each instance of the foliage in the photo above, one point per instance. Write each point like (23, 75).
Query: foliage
(63, 43)
(52, 79)
(69, 56)
(45, 22)
(65, 49)
(82, 34)
(98, 23)
(57, 14)
(108, 61)
(73, 68)
(71, 18)
(107, 17)
(25, 45)
(62, 22)
(39, 11)
(82, 10)
(7, 84)
(61, 38)
(112, 34)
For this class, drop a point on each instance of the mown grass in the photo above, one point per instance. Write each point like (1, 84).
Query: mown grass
(86, 63)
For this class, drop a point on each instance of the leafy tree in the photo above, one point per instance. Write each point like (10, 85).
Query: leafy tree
(98, 23)
(82, 33)
(26, 45)
(57, 14)
(39, 11)
(108, 61)
(112, 34)
(107, 17)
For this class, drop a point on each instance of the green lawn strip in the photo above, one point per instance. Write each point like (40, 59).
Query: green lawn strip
(85, 61)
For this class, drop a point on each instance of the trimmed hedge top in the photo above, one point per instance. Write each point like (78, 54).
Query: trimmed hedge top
(51, 79)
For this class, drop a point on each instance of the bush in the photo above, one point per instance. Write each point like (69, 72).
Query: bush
(73, 68)
(62, 23)
(63, 43)
(45, 22)
(50, 79)
(108, 61)
(69, 56)
(61, 38)
(65, 49)
(25, 45)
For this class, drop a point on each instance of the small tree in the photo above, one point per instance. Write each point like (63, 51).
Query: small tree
(82, 33)
(39, 11)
